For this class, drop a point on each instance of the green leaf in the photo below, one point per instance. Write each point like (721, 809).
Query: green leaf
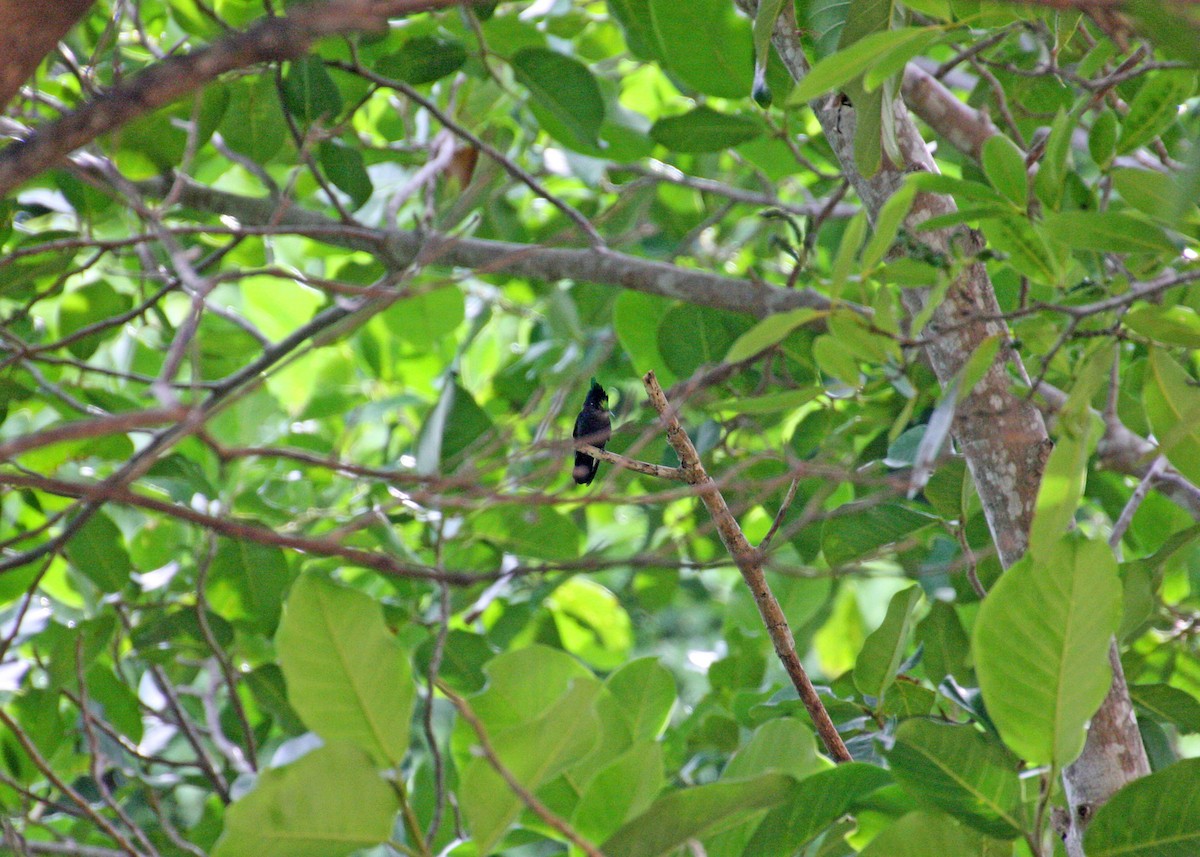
(887, 225)
(1173, 407)
(565, 91)
(721, 62)
(1155, 816)
(1149, 191)
(784, 744)
(637, 318)
(533, 531)
(328, 803)
(925, 834)
(691, 336)
(1171, 325)
(534, 753)
(945, 644)
(347, 677)
(425, 318)
(770, 331)
(704, 130)
(1154, 108)
(247, 583)
(98, 552)
(88, 305)
(1052, 168)
(1041, 647)
(253, 124)
(1025, 248)
(1102, 138)
(621, 790)
(817, 802)
(838, 69)
(309, 93)
(1062, 485)
(883, 650)
(638, 26)
(859, 531)
(591, 623)
(1004, 166)
(962, 771)
(1106, 232)
(891, 61)
(696, 813)
(645, 691)
(1168, 704)
(423, 59)
(345, 168)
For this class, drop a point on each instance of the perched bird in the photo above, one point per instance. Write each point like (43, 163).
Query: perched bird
(591, 426)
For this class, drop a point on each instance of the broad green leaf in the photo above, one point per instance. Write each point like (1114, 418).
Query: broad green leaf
(834, 360)
(817, 802)
(1102, 138)
(637, 318)
(591, 623)
(962, 771)
(1149, 191)
(247, 583)
(784, 744)
(645, 691)
(1065, 474)
(345, 168)
(695, 813)
(347, 676)
(838, 69)
(425, 318)
(510, 700)
(534, 753)
(1171, 325)
(1168, 704)
(1154, 108)
(891, 61)
(565, 91)
(309, 93)
(1173, 407)
(253, 124)
(423, 59)
(1004, 165)
(328, 803)
(883, 651)
(534, 531)
(771, 330)
(1052, 167)
(690, 336)
(1155, 816)
(704, 130)
(638, 26)
(787, 400)
(722, 62)
(855, 337)
(85, 306)
(97, 551)
(860, 531)
(944, 643)
(887, 225)
(1025, 248)
(1041, 647)
(621, 790)
(925, 834)
(1107, 232)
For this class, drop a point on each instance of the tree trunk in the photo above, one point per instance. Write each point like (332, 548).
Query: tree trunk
(1002, 434)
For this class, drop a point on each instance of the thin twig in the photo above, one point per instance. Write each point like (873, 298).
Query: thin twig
(750, 564)
(527, 797)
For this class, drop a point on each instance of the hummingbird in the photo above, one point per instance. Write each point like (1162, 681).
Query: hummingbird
(591, 426)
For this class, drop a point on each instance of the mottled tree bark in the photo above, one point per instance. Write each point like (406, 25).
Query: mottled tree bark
(29, 29)
(1002, 435)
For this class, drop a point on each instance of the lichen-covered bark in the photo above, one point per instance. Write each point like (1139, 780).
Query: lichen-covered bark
(1002, 435)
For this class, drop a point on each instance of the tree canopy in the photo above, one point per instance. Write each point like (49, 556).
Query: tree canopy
(893, 549)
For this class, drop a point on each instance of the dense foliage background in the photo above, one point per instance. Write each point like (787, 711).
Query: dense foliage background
(291, 346)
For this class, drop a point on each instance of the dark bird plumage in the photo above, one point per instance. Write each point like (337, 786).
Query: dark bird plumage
(591, 426)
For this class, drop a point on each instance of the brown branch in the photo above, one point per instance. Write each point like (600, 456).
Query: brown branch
(659, 470)
(750, 563)
(527, 797)
(31, 29)
(269, 40)
(115, 424)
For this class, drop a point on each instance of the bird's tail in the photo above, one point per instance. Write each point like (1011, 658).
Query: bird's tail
(585, 468)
